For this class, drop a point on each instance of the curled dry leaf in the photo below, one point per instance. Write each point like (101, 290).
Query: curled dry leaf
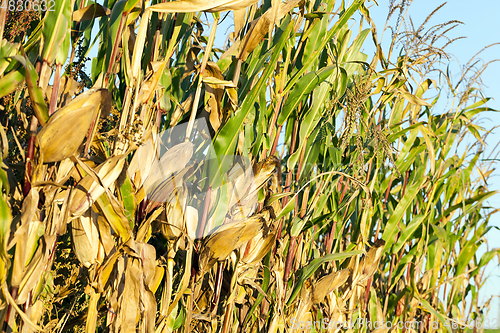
(105, 235)
(423, 283)
(262, 243)
(305, 302)
(371, 260)
(260, 27)
(66, 129)
(90, 12)
(142, 161)
(85, 235)
(264, 171)
(166, 173)
(191, 6)
(88, 190)
(244, 186)
(181, 110)
(128, 310)
(239, 20)
(65, 167)
(329, 283)
(219, 245)
(241, 202)
(68, 88)
(164, 167)
(132, 298)
(214, 90)
(32, 274)
(173, 219)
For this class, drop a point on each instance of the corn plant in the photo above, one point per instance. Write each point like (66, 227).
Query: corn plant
(288, 182)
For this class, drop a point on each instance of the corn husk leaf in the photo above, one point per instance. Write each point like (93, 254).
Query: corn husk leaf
(89, 189)
(173, 219)
(262, 243)
(55, 30)
(66, 128)
(328, 283)
(85, 236)
(219, 245)
(261, 26)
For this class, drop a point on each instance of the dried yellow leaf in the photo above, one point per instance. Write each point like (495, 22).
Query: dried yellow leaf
(64, 132)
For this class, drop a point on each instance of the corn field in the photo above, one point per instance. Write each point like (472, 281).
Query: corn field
(286, 182)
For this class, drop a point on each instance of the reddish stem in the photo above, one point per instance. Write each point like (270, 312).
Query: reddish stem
(289, 258)
(288, 181)
(276, 139)
(387, 193)
(29, 157)
(203, 221)
(367, 292)
(329, 242)
(112, 59)
(55, 89)
(218, 285)
(344, 191)
(339, 184)
(305, 200)
(405, 181)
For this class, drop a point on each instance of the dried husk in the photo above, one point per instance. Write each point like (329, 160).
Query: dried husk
(63, 134)
(173, 218)
(219, 245)
(165, 168)
(328, 283)
(88, 189)
(213, 95)
(371, 260)
(85, 235)
(261, 244)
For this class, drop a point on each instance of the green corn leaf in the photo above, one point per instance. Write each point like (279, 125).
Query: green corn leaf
(5, 221)
(225, 142)
(36, 95)
(7, 49)
(408, 231)
(116, 220)
(353, 53)
(127, 194)
(311, 119)
(56, 31)
(114, 24)
(9, 82)
(346, 15)
(442, 318)
(391, 227)
(304, 86)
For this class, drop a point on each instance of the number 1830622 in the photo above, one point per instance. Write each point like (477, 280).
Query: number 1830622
(28, 5)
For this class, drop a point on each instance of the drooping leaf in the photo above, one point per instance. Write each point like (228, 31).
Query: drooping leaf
(313, 265)
(90, 12)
